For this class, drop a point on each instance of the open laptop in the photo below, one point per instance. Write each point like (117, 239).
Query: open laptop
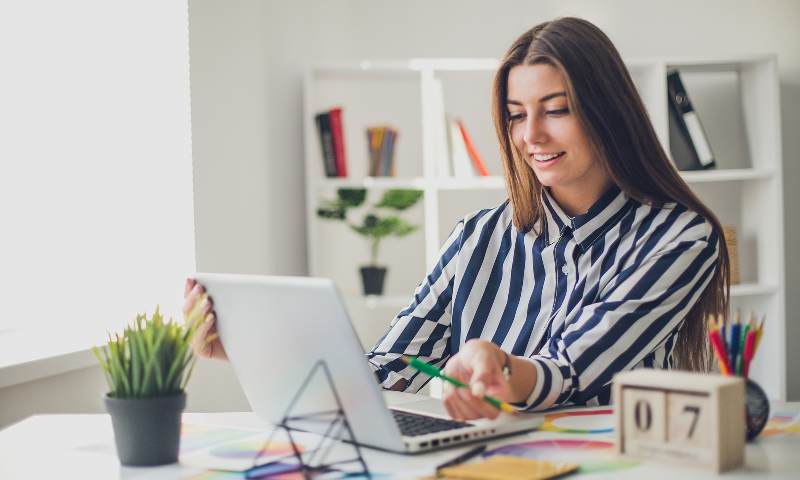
(275, 329)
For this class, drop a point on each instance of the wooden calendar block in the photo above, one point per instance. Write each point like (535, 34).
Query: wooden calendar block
(689, 420)
(645, 419)
(680, 416)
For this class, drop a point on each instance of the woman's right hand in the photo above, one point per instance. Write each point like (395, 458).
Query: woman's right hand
(200, 308)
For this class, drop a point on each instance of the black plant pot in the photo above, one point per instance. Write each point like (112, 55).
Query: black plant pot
(372, 279)
(147, 431)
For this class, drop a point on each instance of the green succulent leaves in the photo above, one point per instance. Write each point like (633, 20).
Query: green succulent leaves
(152, 358)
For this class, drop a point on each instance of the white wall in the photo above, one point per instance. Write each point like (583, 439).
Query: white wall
(248, 57)
(212, 388)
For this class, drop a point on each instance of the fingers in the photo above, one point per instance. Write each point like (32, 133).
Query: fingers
(190, 283)
(190, 298)
(199, 344)
(195, 295)
(204, 341)
(461, 404)
(477, 405)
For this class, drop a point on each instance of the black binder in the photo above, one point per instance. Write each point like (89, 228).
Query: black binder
(323, 122)
(688, 141)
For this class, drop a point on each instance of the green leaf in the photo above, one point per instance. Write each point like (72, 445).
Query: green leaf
(380, 228)
(351, 197)
(399, 198)
(332, 211)
(136, 364)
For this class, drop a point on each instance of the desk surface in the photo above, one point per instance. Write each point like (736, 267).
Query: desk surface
(81, 446)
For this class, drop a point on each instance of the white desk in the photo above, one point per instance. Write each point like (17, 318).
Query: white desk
(54, 446)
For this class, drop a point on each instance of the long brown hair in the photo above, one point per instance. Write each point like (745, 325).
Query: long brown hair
(601, 93)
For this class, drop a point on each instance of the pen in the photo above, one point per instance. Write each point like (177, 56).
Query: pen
(462, 458)
(719, 349)
(432, 371)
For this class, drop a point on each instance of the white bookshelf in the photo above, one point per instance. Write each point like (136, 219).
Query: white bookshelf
(737, 100)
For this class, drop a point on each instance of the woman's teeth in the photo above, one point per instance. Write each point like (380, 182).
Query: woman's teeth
(546, 157)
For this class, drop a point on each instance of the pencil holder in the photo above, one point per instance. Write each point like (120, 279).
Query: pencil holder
(756, 409)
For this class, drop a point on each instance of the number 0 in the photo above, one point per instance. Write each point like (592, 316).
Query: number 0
(643, 415)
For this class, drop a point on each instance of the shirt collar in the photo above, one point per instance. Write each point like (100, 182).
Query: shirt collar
(586, 228)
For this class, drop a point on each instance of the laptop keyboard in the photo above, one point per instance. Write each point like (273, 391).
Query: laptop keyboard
(412, 424)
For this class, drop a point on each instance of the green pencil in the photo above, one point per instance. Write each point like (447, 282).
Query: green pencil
(432, 371)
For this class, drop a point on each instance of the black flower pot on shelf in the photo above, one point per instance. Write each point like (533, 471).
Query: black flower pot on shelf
(147, 431)
(372, 279)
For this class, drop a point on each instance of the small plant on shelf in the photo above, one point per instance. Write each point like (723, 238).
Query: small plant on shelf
(375, 226)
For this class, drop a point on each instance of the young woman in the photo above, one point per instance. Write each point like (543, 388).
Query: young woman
(601, 260)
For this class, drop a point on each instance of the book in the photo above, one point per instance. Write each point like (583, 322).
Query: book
(389, 142)
(326, 143)
(374, 142)
(462, 165)
(338, 141)
(381, 143)
(392, 171)
(688, 140)
(472, 151)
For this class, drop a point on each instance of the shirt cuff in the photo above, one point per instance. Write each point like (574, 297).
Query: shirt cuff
(391, 377)
(550, 382)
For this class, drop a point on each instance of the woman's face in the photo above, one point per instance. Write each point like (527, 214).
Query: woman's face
(548, 135)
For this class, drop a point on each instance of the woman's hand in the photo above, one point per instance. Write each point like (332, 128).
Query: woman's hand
(479, 364)
(199, 307)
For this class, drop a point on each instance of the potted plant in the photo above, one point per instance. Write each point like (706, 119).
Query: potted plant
(147, 369)
(375, 225)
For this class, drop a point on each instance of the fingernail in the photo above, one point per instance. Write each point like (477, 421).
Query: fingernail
(478, 389)
(210, 317)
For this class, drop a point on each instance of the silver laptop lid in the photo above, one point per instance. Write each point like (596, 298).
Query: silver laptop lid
(275, 329)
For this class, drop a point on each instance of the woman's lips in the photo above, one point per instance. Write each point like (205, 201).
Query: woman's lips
(547, 163)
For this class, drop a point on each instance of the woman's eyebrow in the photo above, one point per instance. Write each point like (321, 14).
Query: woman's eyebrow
(547, 97)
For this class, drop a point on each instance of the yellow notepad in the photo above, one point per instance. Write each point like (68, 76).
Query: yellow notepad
(504, 467)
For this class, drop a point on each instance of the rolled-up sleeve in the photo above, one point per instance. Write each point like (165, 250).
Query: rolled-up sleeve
(645, 304)
(423, 328)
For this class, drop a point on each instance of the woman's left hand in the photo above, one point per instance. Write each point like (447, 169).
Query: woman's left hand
(479, 364)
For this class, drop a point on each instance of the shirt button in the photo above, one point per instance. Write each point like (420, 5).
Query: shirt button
(564, 269)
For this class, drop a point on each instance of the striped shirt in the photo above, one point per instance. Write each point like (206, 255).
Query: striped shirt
(586, 297)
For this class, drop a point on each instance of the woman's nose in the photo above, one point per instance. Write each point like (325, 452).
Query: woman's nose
(533, 133)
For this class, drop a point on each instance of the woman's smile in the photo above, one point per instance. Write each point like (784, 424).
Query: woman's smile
(546, 160)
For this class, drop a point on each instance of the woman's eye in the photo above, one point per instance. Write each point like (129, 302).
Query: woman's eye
(516, 116)
(558, 112)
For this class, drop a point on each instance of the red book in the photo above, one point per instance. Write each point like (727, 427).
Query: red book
(338, 141)
(473, 153)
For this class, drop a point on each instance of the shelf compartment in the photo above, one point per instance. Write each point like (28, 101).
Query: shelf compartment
(727, 175)
(752, 289)
(372, 182)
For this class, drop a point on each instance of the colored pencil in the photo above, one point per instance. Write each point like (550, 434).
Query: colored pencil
(431, 370)
(748, 352)
(759, 334)
(719, 350)
(736, 330)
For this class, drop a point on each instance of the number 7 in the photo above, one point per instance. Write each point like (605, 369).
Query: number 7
(696, 411)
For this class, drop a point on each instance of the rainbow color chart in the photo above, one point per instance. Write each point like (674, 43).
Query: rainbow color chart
(781, 423)
(578, 436)
(584, 421)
